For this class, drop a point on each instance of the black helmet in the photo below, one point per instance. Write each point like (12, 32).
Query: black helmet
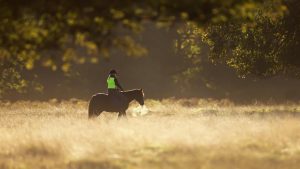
(113, 71)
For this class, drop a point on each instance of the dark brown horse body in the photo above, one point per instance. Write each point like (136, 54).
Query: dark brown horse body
(102, 102)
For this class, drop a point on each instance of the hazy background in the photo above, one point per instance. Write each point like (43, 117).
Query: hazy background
(155, 74)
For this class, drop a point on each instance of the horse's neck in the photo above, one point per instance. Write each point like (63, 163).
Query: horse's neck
(131, 95)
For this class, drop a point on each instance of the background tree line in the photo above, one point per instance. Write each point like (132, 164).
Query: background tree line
(252, 37)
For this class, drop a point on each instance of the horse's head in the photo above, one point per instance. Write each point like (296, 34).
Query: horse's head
(140, 97)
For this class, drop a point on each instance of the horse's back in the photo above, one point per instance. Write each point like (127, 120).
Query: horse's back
(100, 95)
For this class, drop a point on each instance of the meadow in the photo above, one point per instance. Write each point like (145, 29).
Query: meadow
(167, 134)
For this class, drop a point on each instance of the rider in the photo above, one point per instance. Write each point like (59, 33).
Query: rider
(114, 86)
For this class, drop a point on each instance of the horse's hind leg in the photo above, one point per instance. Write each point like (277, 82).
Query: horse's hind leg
(93, 113)
(92, 109)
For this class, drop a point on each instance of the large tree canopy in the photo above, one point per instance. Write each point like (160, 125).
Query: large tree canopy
(59, 33)
(266, 46)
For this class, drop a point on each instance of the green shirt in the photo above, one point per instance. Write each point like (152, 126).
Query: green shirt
(111, 84)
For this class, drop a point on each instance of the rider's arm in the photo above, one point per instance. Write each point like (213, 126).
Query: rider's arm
(118, 84)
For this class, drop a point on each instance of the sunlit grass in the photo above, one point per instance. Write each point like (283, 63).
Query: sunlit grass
(170, 133)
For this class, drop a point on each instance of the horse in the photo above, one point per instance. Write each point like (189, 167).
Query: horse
(102, 102)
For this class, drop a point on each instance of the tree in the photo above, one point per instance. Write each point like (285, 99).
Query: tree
(59, 33)
(265, 45)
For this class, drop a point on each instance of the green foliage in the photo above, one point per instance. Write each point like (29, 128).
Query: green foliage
(59, 33)
(263, 43)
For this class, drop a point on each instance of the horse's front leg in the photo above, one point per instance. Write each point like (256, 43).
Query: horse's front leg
(122, 115)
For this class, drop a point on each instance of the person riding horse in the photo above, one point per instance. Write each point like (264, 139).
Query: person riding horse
(114, 87)
(116, 100)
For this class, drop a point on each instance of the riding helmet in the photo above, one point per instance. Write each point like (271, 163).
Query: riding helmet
(113, 71)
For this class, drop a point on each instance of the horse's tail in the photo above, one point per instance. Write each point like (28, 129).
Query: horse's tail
(91, 112)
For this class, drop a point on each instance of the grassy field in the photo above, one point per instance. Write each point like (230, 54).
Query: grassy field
(188, 134)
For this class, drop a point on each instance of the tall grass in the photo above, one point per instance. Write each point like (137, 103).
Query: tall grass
(191, 133)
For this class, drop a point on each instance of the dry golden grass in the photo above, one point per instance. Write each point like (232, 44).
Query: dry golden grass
(192, 133)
